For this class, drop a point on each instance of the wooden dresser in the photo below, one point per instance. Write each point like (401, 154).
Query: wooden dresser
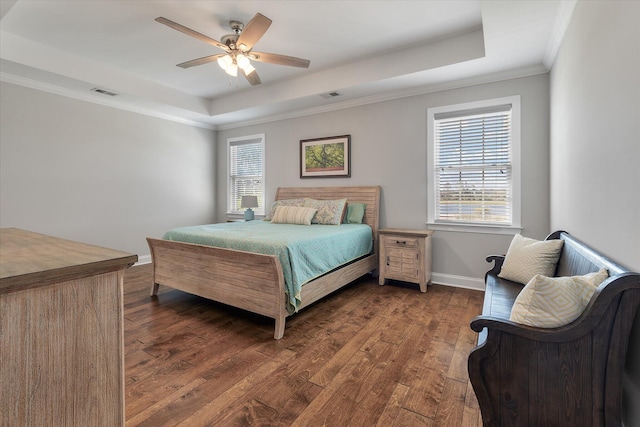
(405, 255)
(61, 331)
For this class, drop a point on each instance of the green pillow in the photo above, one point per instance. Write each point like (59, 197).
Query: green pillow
(355, 213)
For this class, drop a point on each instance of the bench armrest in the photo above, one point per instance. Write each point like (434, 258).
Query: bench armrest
(498, 260)
(505, 325)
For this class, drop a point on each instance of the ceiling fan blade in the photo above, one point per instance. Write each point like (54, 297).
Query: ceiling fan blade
(253, 31)
(192, 33)
(252, 77)
(200, 61)
(274, 58)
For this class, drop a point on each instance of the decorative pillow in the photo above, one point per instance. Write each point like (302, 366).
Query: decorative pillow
(528, 257)
(550, 302)
(329, 211)
(284, 202)
(293, 215)
(354, 214)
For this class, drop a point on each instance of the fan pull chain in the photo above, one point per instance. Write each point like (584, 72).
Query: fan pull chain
(231, 78)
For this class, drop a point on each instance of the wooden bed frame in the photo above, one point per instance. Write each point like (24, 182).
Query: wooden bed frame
(254, 282)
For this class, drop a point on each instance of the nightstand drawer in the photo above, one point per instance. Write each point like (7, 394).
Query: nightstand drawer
(400, 241)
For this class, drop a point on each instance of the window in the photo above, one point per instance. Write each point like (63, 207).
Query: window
(474, 166)
(246, 172)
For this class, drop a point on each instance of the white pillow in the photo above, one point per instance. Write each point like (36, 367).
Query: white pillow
(293, 215)
(528, 257)
(550, 302)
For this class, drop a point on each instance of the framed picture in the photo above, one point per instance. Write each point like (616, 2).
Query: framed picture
(326, 157)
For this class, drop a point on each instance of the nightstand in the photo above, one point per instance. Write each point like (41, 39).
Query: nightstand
(405, 255)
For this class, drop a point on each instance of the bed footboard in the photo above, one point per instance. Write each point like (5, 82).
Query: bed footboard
(250, 281)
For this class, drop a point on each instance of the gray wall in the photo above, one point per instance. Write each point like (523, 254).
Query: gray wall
(389, 148)
(100, 175)
(595, 144)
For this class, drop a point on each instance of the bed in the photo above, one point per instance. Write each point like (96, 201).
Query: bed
(253, 281)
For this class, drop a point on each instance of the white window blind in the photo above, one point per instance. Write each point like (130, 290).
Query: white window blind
(246, 171)
(473, 166)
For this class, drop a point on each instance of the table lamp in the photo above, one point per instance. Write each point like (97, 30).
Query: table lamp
(249, 202)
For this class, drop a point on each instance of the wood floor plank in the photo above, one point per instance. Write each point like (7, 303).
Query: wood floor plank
(290, 377)
(298, 403)
(464, 344)
(327, 372)
(471, 416)
(366, 355)
(325, 408)
(427, 387)
(224, 405)
(393, 406)
(152, 415)
(411, 419)
(385, 379)
(451, 407)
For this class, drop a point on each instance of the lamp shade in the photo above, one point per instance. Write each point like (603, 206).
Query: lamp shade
(232, 70)
(249, 202)
(242, 61)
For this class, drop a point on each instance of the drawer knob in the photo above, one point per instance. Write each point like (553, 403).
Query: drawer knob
(401, 242)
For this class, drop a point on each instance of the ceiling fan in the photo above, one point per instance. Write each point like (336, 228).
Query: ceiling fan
(238, 48)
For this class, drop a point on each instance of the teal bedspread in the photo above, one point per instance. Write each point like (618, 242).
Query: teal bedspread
(305, 252)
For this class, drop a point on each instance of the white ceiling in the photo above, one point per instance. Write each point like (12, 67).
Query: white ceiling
(364, 50)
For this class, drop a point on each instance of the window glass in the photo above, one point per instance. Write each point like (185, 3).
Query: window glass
(246, 172)
(473, 165)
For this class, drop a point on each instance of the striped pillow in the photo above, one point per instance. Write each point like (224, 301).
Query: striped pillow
(293, 215)
(283, 202)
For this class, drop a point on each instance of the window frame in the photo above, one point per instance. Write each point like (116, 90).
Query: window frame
(467, 109)
(257, 138)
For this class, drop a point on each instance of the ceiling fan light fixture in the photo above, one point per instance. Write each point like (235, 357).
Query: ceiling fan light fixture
(242, 61)
(248, 69)
(232, 69)
(225, 62)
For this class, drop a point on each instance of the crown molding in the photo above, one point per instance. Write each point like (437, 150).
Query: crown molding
(389, 96)
(382, 97)
(97, 99)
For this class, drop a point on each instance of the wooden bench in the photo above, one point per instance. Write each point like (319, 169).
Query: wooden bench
(566, 376)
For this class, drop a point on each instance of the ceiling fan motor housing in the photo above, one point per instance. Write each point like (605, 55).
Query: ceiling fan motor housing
(231, 39)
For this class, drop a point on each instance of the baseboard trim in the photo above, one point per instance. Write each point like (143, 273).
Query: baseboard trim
(457, 281)
(143, 259)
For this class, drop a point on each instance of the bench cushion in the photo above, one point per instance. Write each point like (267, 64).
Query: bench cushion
(500, 294)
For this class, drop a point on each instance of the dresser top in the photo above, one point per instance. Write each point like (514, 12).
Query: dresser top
(29, 259)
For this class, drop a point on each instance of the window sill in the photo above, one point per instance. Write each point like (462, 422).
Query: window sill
(475, 228)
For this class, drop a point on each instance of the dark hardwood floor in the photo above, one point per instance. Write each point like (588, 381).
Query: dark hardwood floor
(367, 355)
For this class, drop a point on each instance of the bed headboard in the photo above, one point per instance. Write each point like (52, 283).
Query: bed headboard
(369, 195)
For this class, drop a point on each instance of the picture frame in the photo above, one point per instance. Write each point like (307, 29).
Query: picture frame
(328, 157)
